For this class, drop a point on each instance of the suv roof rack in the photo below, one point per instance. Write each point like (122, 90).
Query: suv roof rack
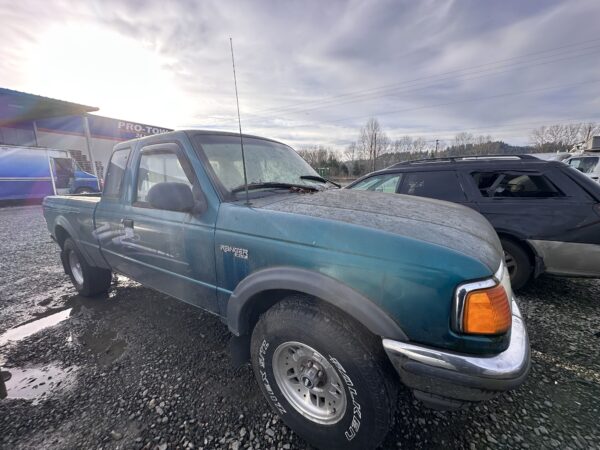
(467, 158)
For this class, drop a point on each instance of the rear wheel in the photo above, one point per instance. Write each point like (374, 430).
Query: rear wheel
(84, 190)
(88, 280)
(517, 262)
(326, 377)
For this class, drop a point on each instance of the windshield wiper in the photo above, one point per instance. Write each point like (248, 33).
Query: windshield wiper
(274, 185)
(318, 178)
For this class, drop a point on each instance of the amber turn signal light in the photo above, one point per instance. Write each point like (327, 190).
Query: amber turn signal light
(487, 311)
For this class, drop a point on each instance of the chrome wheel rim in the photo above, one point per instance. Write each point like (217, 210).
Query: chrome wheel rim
(75, 267)
(511, 263)
(309, 383)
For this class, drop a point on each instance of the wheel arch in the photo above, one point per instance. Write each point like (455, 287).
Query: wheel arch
(61, 235)
(63, 230)
(261, 290)
(535, 259)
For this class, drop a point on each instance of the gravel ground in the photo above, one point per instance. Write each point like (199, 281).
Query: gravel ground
(136, 369)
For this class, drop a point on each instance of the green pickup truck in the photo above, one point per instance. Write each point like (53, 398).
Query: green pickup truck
(336, 297)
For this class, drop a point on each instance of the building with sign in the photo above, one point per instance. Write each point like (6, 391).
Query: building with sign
(28, 120)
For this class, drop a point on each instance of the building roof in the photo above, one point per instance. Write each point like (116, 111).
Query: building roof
(16, 106)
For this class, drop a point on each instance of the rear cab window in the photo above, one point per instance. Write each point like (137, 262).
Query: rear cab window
(513, 184)
(115, 172)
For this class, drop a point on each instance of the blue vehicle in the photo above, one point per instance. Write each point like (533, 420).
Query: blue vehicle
(30, 173)
(334, 296)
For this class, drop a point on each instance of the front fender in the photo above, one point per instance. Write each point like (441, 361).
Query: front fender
(242, 300)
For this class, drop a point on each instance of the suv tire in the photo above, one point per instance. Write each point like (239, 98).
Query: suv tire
(324, 375)
(88, 280)
(85, 190)
(517, 262)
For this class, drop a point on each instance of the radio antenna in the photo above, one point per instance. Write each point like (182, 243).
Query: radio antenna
(239, 123)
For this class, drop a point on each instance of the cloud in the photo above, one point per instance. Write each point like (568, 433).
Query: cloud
(313, 72)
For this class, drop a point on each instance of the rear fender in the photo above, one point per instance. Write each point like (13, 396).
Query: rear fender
(62, 222)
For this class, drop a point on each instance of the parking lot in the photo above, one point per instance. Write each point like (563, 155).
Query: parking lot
(136, 369)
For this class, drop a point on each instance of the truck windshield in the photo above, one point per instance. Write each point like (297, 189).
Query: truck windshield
(267, 162)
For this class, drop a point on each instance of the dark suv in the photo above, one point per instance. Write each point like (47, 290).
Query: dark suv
(546, 213)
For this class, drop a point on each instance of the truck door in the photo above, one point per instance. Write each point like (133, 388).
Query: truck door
(170, 251)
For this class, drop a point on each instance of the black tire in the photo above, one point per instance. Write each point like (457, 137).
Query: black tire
(518, 263)
(84, 190)
(344, 348)
(4, 376)
(88, 280)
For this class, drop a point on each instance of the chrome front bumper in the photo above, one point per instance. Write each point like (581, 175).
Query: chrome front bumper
(448, 379)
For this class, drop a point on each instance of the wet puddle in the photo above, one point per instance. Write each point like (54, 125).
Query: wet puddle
(37, 382)
(27, 329)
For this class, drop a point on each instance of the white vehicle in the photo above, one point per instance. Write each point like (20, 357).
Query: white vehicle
(588, 163)
(557, 156)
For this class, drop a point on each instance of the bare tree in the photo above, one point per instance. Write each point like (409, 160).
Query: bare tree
(463, 139)
(556, 134)
(588, 131)
(419, 145)
(563, 136)
(372, 141)
(350, 156)
(538, 136)
(403, 145)
(571, 134)
(482, 139)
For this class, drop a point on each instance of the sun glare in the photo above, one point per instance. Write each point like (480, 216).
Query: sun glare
(100, 67)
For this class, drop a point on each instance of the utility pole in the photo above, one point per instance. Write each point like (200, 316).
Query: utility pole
(437, 143)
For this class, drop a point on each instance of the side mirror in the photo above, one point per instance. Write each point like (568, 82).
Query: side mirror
(171, 197)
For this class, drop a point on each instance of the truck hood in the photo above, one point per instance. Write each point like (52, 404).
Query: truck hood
(449, 225)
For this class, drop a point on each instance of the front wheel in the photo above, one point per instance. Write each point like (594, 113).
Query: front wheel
(326, 377)
(88, 280)
(517, 262)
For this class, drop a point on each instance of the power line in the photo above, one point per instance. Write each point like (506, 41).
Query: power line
(507, 94)
(404, 91)
(443, 135)
(507, 127)
(420, 79)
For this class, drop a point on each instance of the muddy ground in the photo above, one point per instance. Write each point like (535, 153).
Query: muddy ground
(136, 369)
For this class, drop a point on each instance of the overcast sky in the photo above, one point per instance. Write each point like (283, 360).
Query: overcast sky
(313, 72)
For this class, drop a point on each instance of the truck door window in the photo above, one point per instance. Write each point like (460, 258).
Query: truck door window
(115, 172)
(442, 185)
(514, 184)
(379, 183)
(159, 167)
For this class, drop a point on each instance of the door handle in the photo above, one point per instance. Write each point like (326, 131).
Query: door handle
(127, 223)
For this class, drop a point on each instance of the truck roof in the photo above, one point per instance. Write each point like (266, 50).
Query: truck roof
(191, 131)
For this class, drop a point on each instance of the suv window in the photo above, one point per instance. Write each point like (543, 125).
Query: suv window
(585, 164)
(380, 183)
(514, 184)
(442, 185)
(158, 166)
(115, 172)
